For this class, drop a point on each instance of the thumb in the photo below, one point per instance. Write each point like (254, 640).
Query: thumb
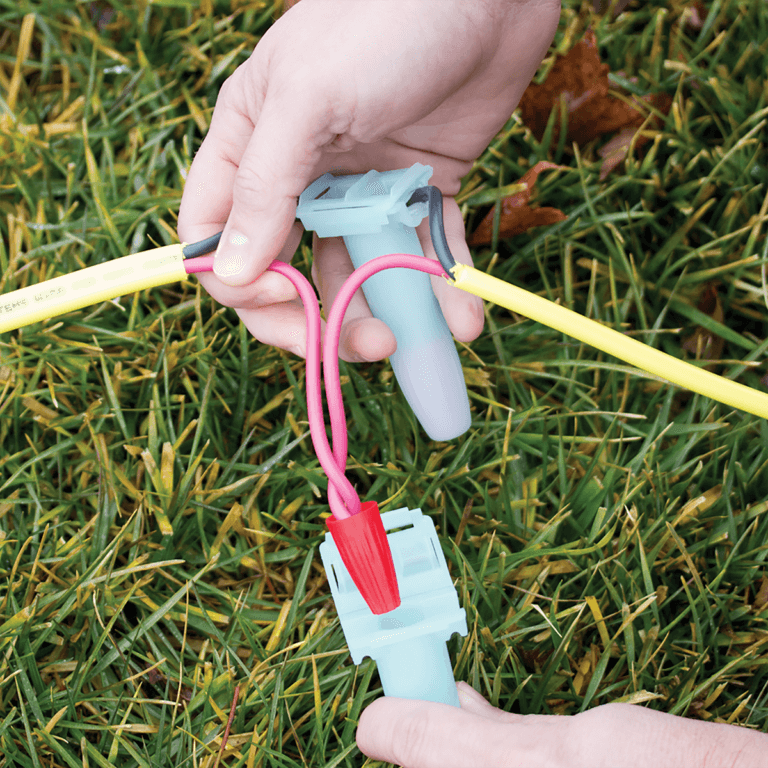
(422, 734)
(277, 164)
(474, 702)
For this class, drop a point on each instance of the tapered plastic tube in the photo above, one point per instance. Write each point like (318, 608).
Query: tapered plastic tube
(100, 282)
(614, 343)
(418, 669)
(370, 212)
(426, 362)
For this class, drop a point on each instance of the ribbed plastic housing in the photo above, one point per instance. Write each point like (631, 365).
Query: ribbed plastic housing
(408, 644)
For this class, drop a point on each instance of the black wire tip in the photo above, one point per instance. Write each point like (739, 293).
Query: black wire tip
(434, 198)
(201, 247)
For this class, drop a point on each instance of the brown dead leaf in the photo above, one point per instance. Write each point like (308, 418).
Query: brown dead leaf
(704, 344)
(614, 152)
(761, 598)
(617, 148)
(516, 215)
(579, 82)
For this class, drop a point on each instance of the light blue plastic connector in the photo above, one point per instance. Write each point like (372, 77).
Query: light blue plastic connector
(409, 643)
(369, 211)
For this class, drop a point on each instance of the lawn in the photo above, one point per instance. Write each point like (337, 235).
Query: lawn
(160, 502)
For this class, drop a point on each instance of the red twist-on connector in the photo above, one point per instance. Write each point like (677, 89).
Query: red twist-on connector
(363, 546)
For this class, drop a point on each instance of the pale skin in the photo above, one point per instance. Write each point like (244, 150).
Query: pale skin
(347, 86)
(351, 85)
(420, 734)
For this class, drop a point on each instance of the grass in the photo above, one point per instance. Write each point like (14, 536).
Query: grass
(160, 503)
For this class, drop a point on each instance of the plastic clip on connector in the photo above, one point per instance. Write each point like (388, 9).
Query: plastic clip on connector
(369, 211)
(408, 644)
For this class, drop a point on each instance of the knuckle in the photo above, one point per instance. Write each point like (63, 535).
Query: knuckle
(231, 89)
(225, 92)
(250, 186)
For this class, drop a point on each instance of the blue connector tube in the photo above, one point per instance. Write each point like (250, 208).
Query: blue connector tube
(409, 643)
(369, 211)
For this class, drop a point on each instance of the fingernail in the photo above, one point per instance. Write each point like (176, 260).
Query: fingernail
(230, 256)
(467, 690)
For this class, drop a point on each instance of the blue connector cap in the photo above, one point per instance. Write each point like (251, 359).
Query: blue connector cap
(408, 644)
(370, 212)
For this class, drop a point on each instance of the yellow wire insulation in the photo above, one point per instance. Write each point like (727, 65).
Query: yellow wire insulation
(614, 343)
(160, 266)
(92, 285)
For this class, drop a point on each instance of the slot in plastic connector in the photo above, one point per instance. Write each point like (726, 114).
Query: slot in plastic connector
(408, 643)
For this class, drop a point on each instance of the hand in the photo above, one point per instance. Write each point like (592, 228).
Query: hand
(346, 87)
(420, 734)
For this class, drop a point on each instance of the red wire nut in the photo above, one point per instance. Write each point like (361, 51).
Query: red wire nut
(364, 548)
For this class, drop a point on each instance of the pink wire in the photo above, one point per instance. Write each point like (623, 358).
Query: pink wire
(345, 500)
(199, 264)
(342, 497)
(331, 351)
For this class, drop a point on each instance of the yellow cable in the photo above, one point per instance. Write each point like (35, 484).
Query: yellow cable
(91, 285)
(160, 266)
(614, 343)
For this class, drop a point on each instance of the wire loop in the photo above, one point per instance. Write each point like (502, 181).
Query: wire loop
(342, 497)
